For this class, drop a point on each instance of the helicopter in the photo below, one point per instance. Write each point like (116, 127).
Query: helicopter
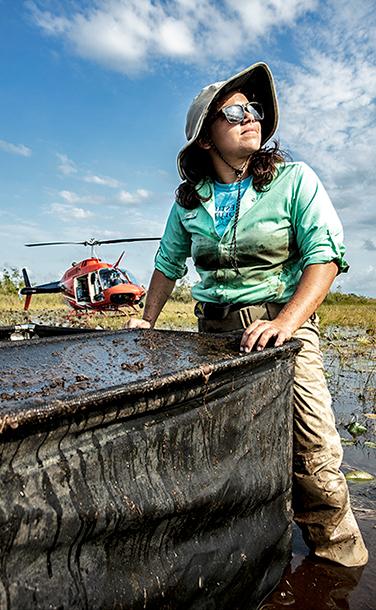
(91, 284)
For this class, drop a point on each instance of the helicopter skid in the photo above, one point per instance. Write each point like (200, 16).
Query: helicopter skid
(89, 312)
(80, 313)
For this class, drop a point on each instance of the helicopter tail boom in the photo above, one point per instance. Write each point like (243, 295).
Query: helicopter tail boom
(29, 290)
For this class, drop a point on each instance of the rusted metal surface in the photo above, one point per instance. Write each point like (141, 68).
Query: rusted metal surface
(143, 469)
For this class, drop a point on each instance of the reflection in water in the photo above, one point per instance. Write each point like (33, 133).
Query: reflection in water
(314, 586)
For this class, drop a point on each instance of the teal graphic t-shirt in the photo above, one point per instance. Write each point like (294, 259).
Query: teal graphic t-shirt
(225, 196)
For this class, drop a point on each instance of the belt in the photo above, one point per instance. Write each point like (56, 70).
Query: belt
(234, 317)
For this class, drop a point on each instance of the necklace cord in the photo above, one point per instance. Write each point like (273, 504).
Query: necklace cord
(239, 174)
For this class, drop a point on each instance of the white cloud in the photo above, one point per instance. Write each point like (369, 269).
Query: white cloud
(328, 102)
(361, 283)
(15, 149)
(143, 193)
(260, 16)
(66, 165)
(136, 197)
(102, 180)
(175, 38)
(74, 198)
(128, 35)
(66, 212)
(51, 24)
(126, 197)
(328, 118)
(69, 196)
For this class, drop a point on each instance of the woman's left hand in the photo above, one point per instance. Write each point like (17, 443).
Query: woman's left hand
(310, 293)
(260, 332)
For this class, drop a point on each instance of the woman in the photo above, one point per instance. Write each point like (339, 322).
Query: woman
(267, 244)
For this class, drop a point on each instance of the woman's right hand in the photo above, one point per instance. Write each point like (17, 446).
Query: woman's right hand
(137, 323)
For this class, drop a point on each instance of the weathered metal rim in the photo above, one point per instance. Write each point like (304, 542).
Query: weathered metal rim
(43, 411)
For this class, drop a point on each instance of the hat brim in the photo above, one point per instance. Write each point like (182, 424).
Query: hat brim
(257, 83)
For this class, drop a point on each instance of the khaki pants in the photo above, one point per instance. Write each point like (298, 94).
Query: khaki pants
(320, 494)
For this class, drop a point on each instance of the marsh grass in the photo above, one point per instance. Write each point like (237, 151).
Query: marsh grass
(361, 315)
(50, 309)
(346, 311)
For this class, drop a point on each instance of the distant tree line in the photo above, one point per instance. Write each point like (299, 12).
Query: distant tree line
(341, 298)
(10, 281)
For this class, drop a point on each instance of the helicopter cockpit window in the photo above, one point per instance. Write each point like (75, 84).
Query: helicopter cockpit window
(110, 277)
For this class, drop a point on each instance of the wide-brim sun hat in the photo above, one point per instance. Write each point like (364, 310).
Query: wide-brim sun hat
(256, 82)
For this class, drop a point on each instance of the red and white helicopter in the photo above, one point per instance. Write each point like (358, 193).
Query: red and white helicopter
(92, 284)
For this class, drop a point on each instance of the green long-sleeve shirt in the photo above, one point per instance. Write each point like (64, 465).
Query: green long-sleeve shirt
(280, 232)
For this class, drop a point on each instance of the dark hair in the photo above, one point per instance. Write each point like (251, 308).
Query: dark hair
(198, 166)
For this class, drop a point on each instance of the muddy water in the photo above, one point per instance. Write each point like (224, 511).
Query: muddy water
(350, 359)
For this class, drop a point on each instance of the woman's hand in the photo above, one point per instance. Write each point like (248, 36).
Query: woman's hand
(260, 332)
(137, 323)
(310, 293)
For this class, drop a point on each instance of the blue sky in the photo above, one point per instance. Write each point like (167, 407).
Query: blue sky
(93, 97)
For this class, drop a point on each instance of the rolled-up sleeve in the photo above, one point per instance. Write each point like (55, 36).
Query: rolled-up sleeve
(318, 229)
(174, 248)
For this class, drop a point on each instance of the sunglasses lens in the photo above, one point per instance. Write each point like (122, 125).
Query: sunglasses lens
(234, 113)
(256, 109)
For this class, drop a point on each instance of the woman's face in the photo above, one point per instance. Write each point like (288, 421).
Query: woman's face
(237, 140)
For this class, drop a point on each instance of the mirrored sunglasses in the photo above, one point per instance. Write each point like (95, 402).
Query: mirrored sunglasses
(235, 113)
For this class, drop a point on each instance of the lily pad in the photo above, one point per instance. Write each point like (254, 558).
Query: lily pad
(371, 444)
(356, 429)
(359, 476)
(370, 415)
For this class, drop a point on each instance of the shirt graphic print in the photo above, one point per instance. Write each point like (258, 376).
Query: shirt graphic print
(225, 196)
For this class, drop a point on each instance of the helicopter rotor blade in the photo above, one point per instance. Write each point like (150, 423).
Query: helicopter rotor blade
(57, 243)
(93, 242)
(129, 239)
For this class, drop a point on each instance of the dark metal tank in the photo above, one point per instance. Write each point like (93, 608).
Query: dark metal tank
(143, 469)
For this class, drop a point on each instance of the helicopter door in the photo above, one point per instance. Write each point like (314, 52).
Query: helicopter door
(95, 288)
(81, 287)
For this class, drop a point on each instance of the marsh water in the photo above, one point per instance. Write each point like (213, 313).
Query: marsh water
(350, 359)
